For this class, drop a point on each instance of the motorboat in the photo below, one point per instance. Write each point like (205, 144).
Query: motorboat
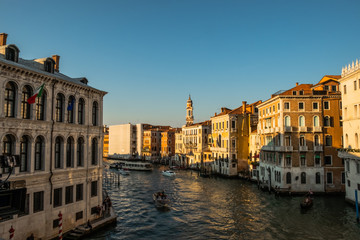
(168, 173)
(124, 172)
(161, 200)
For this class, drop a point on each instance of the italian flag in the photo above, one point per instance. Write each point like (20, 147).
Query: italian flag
(37, 93)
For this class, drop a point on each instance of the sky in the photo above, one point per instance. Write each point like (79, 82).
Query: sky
(149, 55)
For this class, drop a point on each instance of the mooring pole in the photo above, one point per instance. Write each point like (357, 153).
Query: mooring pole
(357, 206)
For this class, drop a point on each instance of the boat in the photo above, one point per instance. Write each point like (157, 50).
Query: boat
(135, 165)
(115, 166)
(124, 172)
(161, 199)
(168, 173)
(306, 203)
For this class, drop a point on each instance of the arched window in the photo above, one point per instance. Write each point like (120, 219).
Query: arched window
(219, 141)
(316, 121)
(316, 140)
(10, 93)
(287, 121)
(25, 106)
(356, 141)
(288, 178)
(303, 178)
(301, 121)
(95, 114)
(327, 121)
(40, 106)
(58, 152)
(70, 109)
(302, 140)
(80, 152)
(59, 108)
(317, 178)
(94, 151)
(328, 140)
(8, 148)
(81, 111)
(39, 153)
(24, 154)
(70, 152)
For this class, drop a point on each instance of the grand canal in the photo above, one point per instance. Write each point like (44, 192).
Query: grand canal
(216, 208)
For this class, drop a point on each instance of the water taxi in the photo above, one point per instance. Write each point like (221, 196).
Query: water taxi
(168, 173)
(136, 165)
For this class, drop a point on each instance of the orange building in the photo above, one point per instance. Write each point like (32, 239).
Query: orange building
(106, 142)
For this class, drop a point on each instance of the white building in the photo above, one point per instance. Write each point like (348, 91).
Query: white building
(59, 149)
(126, 140)
(350, 92)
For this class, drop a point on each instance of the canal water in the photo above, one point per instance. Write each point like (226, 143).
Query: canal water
(216, 208)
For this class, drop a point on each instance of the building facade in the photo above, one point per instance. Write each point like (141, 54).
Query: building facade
(300, 130)
(106, 142)
(51, 150)
(350, 90)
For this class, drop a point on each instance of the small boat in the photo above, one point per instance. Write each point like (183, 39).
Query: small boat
(124, 172)
(306, 203)
(161, 200)
(168, 173)
(115, 166)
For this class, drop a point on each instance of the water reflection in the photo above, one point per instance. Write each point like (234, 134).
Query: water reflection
(210, 208)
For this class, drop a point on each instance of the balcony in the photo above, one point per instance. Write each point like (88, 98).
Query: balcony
(318, 148)
(233, 130)
(266, 130)
(302, 129)
(288, 148)
(287, 129)
(317, 129)
(268, 148)
(303, 148)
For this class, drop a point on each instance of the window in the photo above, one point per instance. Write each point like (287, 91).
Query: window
(315, 106)
(302, 161)
(286, 106)
(342, 178)
(301, 106)
(40, 106)
(39, 156)
(328, 160)
(70, 152)
(81, 111)
(95, 114)
(70, 109)
(9, 106)
(356, 141)
(25, 106)
(58, 150)
(344, 89)
(301, 92)
(38, 201)
(49, 65)
(24, 153)
(328, 140)
(294, 93)
(8, 147)
(288, 160)
(79, 192)
(326, 105)
(94, 152)
(287, 140)
(12, 53)
(329, 178)
(348, 183)
(302, 140)
(316, 140)
(303, 178)
(233, 124)
(79, 215)
(333, 88)
(357, 167)
(301, 121)
(288, 178)
(326, 121)
(69, 194)
(80, 152)
(59, 108)
(287, 121)
(317, 178)
(326, 87)
(57, 197)
(316, 121)
(94, 191)
(317, 160)
(355, 84)
(355, 111)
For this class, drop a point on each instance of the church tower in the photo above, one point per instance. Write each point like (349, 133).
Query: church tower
(189, 112)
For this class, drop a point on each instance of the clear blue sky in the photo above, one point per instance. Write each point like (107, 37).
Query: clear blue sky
(150, 55)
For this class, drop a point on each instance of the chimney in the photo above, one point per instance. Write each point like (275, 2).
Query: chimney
(297, 84)
(3, 37)
(244, 106)
(57, 62)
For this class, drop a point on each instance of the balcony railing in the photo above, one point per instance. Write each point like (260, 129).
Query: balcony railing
(318, 148)
(287, 129)
(302, 129)
(268, 148)
(303, 148)
(317, 129)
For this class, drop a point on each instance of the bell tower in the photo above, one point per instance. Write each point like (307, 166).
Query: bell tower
(189, 112)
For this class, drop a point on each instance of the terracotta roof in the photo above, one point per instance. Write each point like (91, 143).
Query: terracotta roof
(304, 87)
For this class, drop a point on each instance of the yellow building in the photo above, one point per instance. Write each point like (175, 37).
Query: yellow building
(230, 139)
(106, 142)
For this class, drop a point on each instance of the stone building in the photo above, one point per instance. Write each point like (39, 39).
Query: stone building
(51, 150)
(350, 92)
(300, 130)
